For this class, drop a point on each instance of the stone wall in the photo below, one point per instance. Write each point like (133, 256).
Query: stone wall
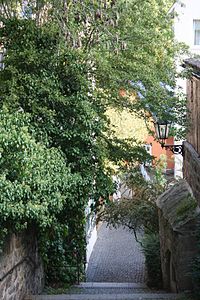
(177, 252)
(191, 169)
(193, 93)
(27, 278)
(179, 216)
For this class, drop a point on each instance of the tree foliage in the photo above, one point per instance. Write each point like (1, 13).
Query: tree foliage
(35, 182)
(123, 42)
(38, 189)
(64, 64)
(140, 212)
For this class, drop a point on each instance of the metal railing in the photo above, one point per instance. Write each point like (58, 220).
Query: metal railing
(79, 264)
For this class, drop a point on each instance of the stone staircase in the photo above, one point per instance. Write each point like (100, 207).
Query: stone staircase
(109, 291)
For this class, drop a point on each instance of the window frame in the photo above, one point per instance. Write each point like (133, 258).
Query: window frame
(196, 31)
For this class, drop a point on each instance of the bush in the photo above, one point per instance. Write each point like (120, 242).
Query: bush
(151, 248)
(140, 212)
(37, 189)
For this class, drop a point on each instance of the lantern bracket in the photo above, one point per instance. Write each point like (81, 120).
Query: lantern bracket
(176, 149)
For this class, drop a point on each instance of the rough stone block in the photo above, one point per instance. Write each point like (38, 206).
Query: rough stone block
(24, 277)
(178, 244)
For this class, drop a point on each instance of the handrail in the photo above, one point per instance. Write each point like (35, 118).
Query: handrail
(26, 258)
(35, 265)
(79, 263)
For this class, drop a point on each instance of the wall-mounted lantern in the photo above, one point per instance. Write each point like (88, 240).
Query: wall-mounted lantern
(162, 133)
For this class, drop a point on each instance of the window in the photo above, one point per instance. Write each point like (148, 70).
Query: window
(148, 148)
(196, 24)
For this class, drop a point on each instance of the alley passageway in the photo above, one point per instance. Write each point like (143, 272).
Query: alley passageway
(115, 272)
(116, 257)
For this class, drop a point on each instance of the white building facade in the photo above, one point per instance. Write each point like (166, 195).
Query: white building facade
(187, 23)
(186, 30)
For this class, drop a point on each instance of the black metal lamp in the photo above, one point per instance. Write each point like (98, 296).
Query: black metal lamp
(162, 133)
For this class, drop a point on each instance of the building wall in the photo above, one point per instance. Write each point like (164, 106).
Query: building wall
(192, 169)
(193, 95)
(90, 230)
(188, 11)
(178, 161)
(160, 153)
(192, 146)
(28, 277)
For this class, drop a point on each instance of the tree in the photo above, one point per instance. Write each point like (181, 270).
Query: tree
(37, 190)
(118, 53)
(65, 63)
(139, 213)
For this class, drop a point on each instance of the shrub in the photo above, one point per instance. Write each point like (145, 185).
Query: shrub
(37, 189)
(151, 248)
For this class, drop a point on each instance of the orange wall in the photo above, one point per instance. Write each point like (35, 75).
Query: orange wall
(157, 151)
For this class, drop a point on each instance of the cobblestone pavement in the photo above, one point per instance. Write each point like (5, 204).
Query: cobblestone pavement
(109, 291)
(116, 257)
(115, 272)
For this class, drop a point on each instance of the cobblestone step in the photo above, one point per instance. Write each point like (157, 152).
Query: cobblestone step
(111, 285)
(110, 291)
(109, 297)
(109, 288)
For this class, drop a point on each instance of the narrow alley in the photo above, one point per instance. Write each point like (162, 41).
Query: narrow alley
(116, 271)
(116, 257)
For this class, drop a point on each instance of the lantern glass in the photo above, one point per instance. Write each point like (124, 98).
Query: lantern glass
(162, 130)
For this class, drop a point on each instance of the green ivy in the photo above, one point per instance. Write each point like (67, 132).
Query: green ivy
(52, 144)
(151, 249)
(36, 190)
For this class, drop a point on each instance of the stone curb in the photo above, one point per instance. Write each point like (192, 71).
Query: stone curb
(108, 297)
(111, 285)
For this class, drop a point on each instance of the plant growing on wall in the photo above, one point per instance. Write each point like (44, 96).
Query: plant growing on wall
(36, 187)
(63, 117)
